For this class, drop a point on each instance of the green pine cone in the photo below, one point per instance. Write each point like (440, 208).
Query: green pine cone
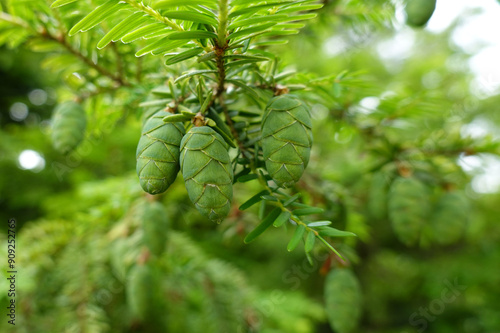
(449, 219)
(158, 153)
(377, 196)
(343, 300)
(207, 172)
(68, 126)
(286, 139)
(123, 254)
(418, 12)
(408, 208)
(154, 226)
(144, 292)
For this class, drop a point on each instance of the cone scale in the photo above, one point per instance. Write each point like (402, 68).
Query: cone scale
(68, 126)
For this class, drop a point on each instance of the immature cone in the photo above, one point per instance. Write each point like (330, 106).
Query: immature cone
(207, 172)
(286, 139)
(155, 227)
(449, 218)
(377, 196)
(123, 254)
(143, 292)
(68, 126)
(343, 300)
(408, 208)
(418, 12)
(158, 153)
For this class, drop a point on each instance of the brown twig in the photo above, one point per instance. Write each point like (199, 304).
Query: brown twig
(44, 33)
(103, 71)
(230, 123)
(221, 70)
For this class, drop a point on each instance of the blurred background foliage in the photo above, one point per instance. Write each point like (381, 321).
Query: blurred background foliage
(404, 106)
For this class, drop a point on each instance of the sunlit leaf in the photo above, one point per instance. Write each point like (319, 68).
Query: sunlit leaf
(319, 224)
(96, 16)
(167, 4)
(144, 31)
(250, 31)
(332, 232)
(160, 46)
(122, 28)
(254, 20)
(59, 3)
(184, 55)
(191, 16)
(255, 9)
(193, 34)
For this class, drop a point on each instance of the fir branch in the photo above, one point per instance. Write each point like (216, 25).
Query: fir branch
(157, 16)
(154, 14)
(103, 71)
(279, 204)
(44, 33)
(294, 218)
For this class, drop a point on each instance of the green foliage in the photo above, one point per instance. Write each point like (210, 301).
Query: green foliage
(182, 289)
(390, 147)
(228, 38)
(68, 126)
(225, 23)
(158, 153)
